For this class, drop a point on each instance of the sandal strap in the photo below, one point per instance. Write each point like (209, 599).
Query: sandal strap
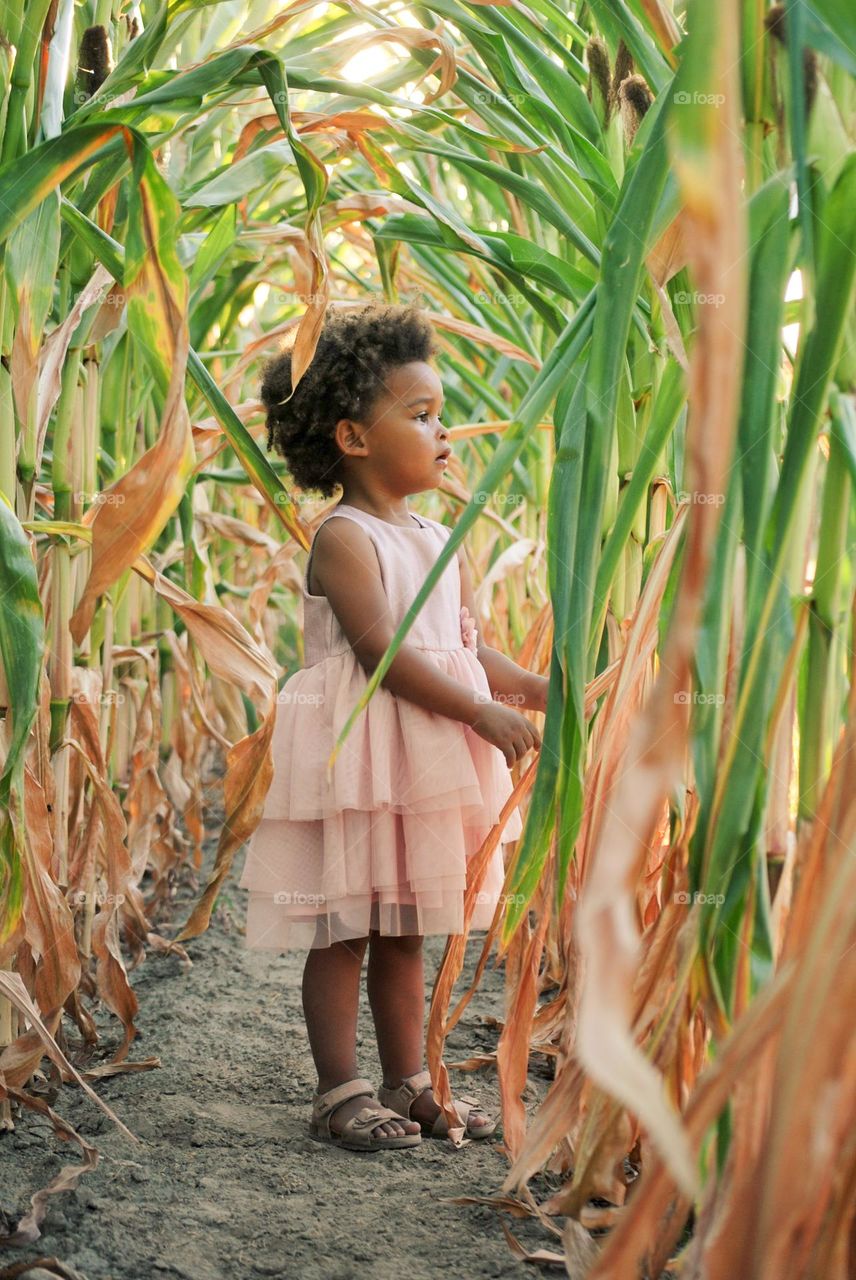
(412, 1086)
(369, 1117)
(325, 1103)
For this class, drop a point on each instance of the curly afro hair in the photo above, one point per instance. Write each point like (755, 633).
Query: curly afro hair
(356, 349)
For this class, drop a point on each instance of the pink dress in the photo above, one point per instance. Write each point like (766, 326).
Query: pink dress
(384, 841)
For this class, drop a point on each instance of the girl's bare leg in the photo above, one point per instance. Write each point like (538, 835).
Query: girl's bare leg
(331, 994)
(396, 991)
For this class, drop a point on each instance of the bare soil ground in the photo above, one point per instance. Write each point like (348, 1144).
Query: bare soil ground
(225, 1183)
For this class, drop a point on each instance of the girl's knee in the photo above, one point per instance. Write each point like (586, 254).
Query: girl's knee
(356, 946)
(353, 947)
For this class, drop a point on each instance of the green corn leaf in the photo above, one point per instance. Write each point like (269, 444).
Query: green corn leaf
(22, 648)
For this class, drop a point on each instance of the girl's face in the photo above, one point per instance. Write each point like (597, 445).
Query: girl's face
(403, 444)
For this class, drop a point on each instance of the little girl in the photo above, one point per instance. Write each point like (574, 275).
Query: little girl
(375, 854)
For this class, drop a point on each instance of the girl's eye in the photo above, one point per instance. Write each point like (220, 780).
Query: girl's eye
(424, 414)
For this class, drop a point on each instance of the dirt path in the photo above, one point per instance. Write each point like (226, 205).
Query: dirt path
(225, 1184)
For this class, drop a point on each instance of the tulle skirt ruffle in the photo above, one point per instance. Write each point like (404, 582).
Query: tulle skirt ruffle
(385, 841)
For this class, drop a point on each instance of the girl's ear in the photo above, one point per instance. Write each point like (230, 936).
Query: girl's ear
(349, 437)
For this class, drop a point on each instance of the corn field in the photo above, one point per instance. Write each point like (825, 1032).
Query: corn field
(632, 225)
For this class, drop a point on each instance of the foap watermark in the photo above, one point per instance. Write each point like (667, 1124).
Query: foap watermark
(512, 699)
(286, 898)
(696, 298)
(103, 98)
(109, 698)
(683, 99)
(295, 696)
(515, 899)
(706, 899)
(700, 499)
(683, 696)
(107, 295)
(81, 896)
(282, 499)
(485, 96)
(82, 496)
(498, 499)
(277, 294)
(500, 299)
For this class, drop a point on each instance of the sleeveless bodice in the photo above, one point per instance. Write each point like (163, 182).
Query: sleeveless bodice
(405, 557)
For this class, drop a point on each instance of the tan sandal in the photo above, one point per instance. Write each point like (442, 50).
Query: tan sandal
(403, 1097)
(356, 1132)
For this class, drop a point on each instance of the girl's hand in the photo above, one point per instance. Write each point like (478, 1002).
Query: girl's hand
(507, 729)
